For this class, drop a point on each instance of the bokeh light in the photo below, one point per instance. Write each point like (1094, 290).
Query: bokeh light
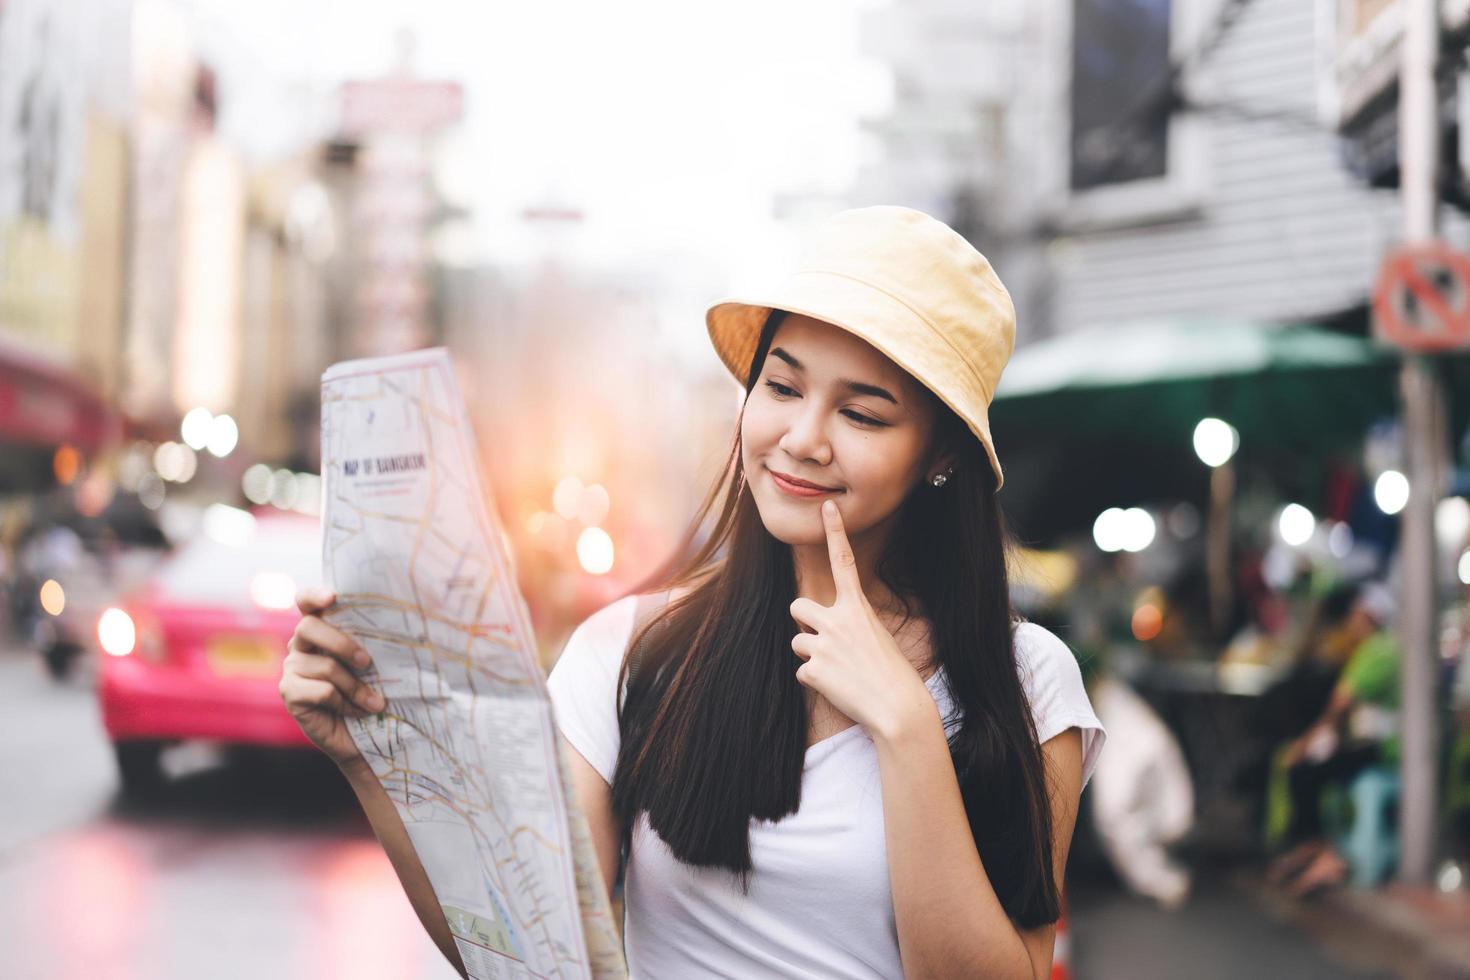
(1147, 622)
(1215, 441)
(175, 462)
(308, 493)
(595, 551)
(1451, 521)
(255, 483)
(116, 633)
(273, 590)
(66, 463)
(224, 435)
(195, 428)
(1391, 491)
(1296, 525)
(566, 499)
(53, 597)
(1108, 531)
(151, 491)
(283, 489)
(229, 525)
(1137, 529)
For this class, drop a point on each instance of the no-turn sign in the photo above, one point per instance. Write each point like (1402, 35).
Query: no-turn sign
(1422, 301)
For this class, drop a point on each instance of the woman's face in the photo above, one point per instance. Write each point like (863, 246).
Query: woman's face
(831, 410)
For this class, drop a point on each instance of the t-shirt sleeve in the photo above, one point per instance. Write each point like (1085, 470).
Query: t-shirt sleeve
(584, 684)
(1053, 684)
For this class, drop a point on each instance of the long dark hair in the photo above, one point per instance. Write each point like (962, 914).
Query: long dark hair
(714, 722)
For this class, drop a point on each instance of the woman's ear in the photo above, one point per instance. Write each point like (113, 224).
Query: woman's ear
(942, 461)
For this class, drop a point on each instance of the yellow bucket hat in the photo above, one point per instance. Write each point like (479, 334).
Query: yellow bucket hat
(906, 283)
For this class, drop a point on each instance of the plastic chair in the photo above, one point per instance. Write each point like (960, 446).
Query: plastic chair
(1368, 837)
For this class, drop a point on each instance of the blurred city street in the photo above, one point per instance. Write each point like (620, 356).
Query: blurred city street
(1220, 933)
(1234, 419)
(263, 866)
(251, 867)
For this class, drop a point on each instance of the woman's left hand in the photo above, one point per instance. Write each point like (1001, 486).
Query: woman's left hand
(850, 657)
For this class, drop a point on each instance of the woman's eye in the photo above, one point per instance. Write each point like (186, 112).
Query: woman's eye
(862, 419)
(784, 391)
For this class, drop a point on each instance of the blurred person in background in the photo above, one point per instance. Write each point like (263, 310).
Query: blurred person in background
(1317, 658)
(1455, 651)
(1142, 794)
(825, 745)
(1358, 728)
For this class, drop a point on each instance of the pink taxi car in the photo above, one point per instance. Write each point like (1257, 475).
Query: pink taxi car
(196, 652)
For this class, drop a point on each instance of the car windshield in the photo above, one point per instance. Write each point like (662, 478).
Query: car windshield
(209, 571)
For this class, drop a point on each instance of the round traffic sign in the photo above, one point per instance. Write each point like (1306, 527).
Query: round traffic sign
(1422, 300)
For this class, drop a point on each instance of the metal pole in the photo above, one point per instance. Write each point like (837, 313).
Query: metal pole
(1422, 404)
(1217, 546)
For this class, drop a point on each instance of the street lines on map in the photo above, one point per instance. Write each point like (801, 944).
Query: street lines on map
(430, 410)
(420, 730)
(381, 515)
(444, 656)
(477, 630)
(421, 785)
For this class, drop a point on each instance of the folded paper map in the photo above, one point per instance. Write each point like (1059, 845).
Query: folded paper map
(467, 748)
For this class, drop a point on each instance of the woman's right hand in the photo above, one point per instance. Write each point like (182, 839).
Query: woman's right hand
(319, 689)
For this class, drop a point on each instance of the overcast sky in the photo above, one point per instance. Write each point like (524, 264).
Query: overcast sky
(669, 123)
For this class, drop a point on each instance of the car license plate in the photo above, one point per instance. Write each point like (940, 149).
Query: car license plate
(242, 656)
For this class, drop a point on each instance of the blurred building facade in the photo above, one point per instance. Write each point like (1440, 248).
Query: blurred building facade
(148, 267)
(1215, 184)
(1170, 157)
(1360, 57)
(63, 166)
(961, 139)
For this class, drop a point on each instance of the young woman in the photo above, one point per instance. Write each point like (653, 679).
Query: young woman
(828, 748)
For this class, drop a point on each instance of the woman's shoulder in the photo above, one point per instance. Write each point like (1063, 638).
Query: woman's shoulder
(1055, 689)
(1035, 642)
(1042, 657)
(612, 621)
(599, 639)
(612, 626)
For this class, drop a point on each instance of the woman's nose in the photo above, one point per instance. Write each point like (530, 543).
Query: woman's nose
(806, 439)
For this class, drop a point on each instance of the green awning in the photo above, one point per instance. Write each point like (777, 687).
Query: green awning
(1283, 386)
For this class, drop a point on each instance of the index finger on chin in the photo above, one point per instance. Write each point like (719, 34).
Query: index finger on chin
(839, 550)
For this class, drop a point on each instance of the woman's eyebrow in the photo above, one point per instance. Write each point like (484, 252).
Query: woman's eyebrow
(856, 387)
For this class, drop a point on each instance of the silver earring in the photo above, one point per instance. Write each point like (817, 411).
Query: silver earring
(940, 479)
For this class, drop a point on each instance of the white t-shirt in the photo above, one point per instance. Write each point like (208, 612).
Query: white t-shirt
(819, 903)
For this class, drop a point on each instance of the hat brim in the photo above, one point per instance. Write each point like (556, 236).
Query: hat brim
(735, 324)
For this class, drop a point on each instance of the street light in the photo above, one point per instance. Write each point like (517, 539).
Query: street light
(1296, 525)
(1108, 531)
(1117, 529)
(1215, 443)
(195, 428)
(1137, 526)
(595, 550)
(224, 434)
(1391, 491)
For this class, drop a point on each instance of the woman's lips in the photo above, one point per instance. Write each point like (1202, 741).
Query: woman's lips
(797, 490)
